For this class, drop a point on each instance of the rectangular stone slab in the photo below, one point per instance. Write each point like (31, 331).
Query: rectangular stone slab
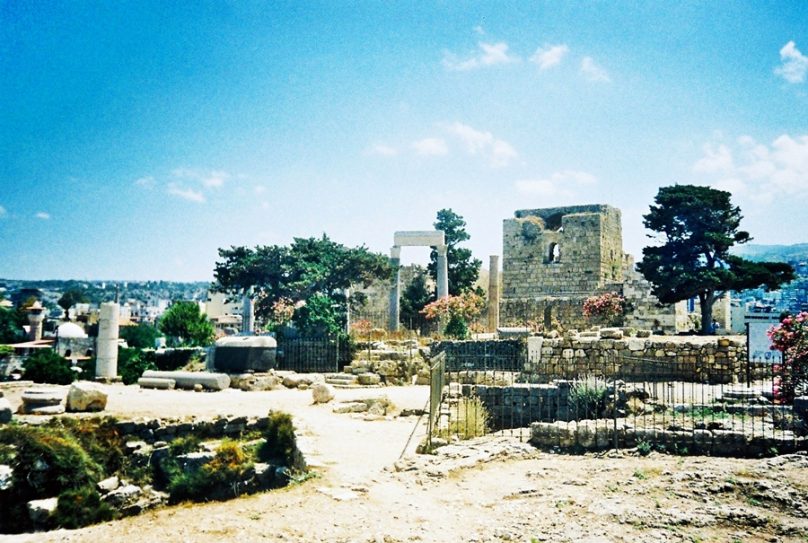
(188, 379)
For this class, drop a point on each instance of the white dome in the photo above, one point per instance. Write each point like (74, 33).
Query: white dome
(70, 330)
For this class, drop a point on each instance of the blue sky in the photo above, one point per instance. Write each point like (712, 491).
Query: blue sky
(136, 138)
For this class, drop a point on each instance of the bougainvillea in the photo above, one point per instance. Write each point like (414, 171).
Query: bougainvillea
(605, 308)
(791, 338)
(459, 309)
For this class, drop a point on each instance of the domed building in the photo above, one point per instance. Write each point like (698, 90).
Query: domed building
(72, 341)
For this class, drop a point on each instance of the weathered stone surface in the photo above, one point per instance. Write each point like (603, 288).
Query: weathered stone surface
(322, 393)
(39, 511)
(188, 379)
(42, 396)
(369, 379)
(85, 396)
(41, 410)
(6, 412)
(109, 484)
(295, 380)
(611, 333)
(152, 382)
(6, 473)
(350, 407)
(123, 496)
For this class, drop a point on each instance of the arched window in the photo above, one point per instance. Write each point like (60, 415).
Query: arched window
(554, 253)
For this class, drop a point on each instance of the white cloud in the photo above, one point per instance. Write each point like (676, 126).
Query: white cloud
(714, 160)
(209, 179)
(794, 64)
(758, 171)
(147, 182)
(479, 30)
(550, 55)
(563, 185)
(259, 189)
(3, 212)
(592, 71)
(186, 193)
(380, 149)
(490, 54)
(431, 147)
(44, 215)
(499, 152)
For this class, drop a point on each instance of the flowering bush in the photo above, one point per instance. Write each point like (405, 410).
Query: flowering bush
(282, 311)
(790, 337)
(605, 308)
(459, 310)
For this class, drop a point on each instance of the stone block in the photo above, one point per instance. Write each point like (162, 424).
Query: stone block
(322, 393)
(369, 379)
(188, 379)
(40, 511)
(84, 396)
(6, 412)
(162, 384)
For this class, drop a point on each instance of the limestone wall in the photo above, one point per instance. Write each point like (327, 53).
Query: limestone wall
(657, 358)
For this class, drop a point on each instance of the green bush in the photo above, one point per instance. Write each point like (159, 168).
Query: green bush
(81, 506)
(46, 366)
(470, 418)
(47, 462)
(220, 479)
(588, 396)
(457, 328)
(131, 365)
(173, 359)
(184, 445)
(280, 445)
(142, 336)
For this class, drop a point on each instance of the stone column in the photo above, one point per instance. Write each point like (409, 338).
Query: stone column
(106, 362)
(443, 272)
(36, 314)
(395, 290)
(247, 315)
(493, 293)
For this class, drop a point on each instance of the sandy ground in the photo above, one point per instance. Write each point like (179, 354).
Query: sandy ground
(485, 490)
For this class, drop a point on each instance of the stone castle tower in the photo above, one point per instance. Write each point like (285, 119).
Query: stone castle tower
(574, 250)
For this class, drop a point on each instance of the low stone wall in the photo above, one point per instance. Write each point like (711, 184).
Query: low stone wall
(594, 435)
(153, 430)
(717, 360)
(519, 405)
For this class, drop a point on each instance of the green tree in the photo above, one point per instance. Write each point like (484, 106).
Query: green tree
(46, 366)
(71, 297)
(183, 322)
(142, 336)
(11, 326)
(697, 227)
(463, 269)
(415, 296)
(316, 271)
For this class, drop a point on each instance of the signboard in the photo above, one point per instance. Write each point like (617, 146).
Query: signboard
(759, 344)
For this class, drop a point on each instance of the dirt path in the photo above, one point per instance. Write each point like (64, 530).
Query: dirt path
(493, 489)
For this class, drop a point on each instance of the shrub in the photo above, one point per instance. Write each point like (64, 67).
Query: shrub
(48, 461)
(46, 366)
(280, 445)
(81, 506)
(588, 396)
(132, 364)
(220, 479)
(471, 420)
(184, 445)
(172, 359)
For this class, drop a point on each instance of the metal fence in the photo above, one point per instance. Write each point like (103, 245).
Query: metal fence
(615, 401)
(322, 354)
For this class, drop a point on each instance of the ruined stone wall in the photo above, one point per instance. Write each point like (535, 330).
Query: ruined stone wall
(554, 258)
(657, 358)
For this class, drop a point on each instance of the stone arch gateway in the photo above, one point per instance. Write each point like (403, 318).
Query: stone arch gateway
(421, 238)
